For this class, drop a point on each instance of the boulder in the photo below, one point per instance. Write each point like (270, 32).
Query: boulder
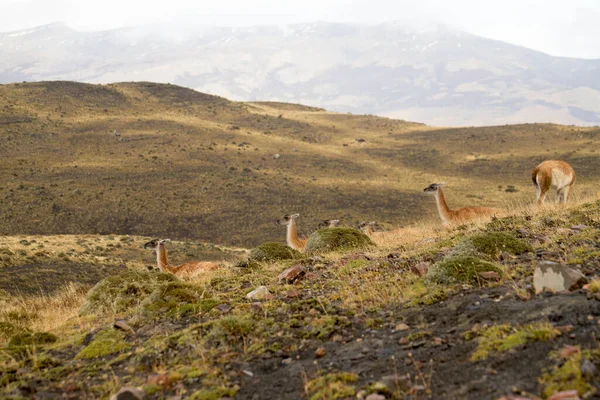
(260, 293)
(556, 277)
(292, 274)
(128, 393)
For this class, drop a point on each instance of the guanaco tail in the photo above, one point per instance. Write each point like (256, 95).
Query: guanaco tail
(292, 238)
(188, 269)
(460, 215)
(553, 174)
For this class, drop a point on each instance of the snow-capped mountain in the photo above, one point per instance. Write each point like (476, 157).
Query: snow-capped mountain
(432, 74)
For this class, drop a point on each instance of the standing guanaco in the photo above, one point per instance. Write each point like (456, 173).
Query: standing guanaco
(187, 269)
(556, 174)
(450, 216)
(292, 238)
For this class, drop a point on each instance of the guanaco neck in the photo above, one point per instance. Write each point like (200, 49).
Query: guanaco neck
(446, 213)
(292, 238)
(161, 258)
(368, 230)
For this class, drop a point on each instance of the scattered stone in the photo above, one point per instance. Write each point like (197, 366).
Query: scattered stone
(320, 352)
(597, 296)
(260, 293)
(292, 274)
(403, 341)
(588, 369)
(124, 326)
(568, 350)
(361, 394)
(420, 269)
(556, 277)
(394, 383)
(277, 156)
(128, 393)
(489, 275)
(375, 396)
(224, 308)
(401, 327)
(337, 338)
(292, 294)
(286, 361)
(247, 373)
(566, 395)
(439, 341)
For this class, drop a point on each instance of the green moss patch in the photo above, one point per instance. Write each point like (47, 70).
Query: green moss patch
(460, 269)
(122, 292)
(492, 243)
(214, 393)
(106, 342)
(331, 386)
(501, 338)
(330, 239)
(568, 374)
(273, 251)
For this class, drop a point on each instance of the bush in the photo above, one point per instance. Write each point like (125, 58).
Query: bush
(492, 243)
(460, 269)
(273, 251)
(330, 239)
(121, 292)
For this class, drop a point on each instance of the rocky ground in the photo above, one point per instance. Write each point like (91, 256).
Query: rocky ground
(506, 309)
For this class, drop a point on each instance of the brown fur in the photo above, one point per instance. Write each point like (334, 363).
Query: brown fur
(461, 215)
(542, 177)
(185, 270)
(292, 238)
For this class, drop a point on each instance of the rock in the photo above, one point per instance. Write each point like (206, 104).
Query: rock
(579, 227)
(260, 293)
(337, 338)
(124, 326)
(128, 393)
(292, 293)
(568, 351)
(320, 352)
(224, 308)
(286, 361)
(489, 275)
(292, 274)
(597, 296)
(277, 156)
(588, 369)
(556, 277)
(375, 396)
(361, 394)
(395, 383)
(403, 340)
(566, 395)
(420, 269)
(401, 327)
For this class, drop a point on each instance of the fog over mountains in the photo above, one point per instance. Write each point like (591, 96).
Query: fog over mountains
(432, 74)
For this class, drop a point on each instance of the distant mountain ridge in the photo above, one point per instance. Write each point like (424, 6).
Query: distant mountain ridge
(434, 74)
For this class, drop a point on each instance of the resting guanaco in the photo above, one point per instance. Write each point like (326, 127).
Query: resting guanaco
(328, 223)
(187, 269)
(367, 228)
(450, 216)
(556, 174)
(292, 238)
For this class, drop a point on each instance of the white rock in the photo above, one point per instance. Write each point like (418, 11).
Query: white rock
(260, 293)
(556, 277)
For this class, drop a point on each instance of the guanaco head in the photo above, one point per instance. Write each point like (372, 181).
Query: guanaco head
(328, 223)
(155, 242)
(286, 219)
(433, 188)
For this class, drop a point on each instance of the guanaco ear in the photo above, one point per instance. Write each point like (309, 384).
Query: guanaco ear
(442, 184)
(295, 215)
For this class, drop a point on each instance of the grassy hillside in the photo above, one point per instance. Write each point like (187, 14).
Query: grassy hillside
(187, 165)
(356, 323)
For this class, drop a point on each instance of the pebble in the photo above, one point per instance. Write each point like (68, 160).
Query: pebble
(128, 393)
(320, 352)
(260, 293)
(401, 327)
(224, 308)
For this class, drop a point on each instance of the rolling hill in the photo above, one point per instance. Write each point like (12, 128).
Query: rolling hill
(158, 159)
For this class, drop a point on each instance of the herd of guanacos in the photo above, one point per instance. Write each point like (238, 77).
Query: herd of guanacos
(555, 174)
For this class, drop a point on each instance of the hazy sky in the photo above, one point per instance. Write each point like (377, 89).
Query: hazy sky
(559, 27)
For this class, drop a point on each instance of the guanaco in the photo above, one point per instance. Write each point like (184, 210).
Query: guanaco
(292, 238)
(367, 228)
(328, 223)
(556, 174)
(450, 216)
(187, 269)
